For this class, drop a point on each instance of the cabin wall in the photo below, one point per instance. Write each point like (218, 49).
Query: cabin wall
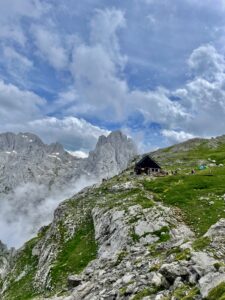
(147, 171)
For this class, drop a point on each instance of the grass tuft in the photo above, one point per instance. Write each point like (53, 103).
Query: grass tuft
(74, 255)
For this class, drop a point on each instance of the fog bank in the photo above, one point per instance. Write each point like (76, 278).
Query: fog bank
(31, 206)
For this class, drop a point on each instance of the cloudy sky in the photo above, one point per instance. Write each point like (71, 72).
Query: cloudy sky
(72, 70)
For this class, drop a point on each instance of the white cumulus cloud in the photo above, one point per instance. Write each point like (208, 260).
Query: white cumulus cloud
(74, 133)
(176, 136)
(17, 105)
(50, 47)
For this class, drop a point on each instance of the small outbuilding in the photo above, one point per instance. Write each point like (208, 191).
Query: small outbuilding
(147, 165)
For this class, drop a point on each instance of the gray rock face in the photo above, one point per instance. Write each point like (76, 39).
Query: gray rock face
(25, 158)
(35, 177)
(217, 235)
(210, 281)
(5, 257)
(111, 155)
(74, 281)
(121, 262)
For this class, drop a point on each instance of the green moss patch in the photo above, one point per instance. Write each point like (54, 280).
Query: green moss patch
(135, 237)
(21, 287)
(74, 255)
(163, 234)
(201, 243)
(218, 293)
(186, 292)
(146, 292)
(120, 257)
(144, 201)
(183, 255)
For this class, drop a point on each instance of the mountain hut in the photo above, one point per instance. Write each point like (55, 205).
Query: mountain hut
(147, 165)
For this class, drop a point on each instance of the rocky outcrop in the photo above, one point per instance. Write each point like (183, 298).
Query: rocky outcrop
(5, 257)
(217, 236)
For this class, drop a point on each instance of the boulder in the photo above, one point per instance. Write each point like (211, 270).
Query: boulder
(173, 270)
(202, 263)
(209, 282)
(74, 281)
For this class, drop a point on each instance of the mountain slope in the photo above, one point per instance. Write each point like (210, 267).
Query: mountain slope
(133, 237)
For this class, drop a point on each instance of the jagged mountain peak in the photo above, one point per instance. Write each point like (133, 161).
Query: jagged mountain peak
(117, 140)
(30, 145)
(56, 148)
(114, 137)
(101, 141)
(111, 154)
(11, 141)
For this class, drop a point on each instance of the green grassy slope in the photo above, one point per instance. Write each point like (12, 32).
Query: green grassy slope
(199, 198)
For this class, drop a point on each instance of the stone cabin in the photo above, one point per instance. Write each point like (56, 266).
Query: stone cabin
(147, 165)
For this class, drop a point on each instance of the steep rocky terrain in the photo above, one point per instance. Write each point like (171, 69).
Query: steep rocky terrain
(35, 178)
(111, 155)
(133, 237)
(24, 158)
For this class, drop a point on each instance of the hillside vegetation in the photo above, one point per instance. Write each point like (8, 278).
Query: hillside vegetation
(135, 236)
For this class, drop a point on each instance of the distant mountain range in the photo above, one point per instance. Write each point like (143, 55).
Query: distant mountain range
(25, 158)
(35, 177)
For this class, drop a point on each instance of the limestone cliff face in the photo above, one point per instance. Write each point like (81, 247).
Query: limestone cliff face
(5, 257)
(24, 158)
(111, 155)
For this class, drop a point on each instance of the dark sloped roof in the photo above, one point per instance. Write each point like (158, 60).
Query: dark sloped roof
(148, 162)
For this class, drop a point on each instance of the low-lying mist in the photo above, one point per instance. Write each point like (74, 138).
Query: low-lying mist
(31, 206)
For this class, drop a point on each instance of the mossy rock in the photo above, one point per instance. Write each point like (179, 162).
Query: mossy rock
(183, 255)
(218, 293)
(163, 234)
(201, 243)
(185, 292)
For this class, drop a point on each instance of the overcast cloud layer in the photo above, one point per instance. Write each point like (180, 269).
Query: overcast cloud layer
(74, 70)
